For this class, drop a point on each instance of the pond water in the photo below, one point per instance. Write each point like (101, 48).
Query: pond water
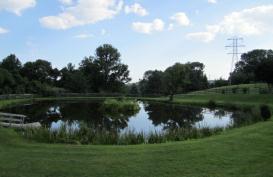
(151, 116)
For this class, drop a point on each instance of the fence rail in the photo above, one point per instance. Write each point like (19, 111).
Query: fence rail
(16, 121)
(16, 96)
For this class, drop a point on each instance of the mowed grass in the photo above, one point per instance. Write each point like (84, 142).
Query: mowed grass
(239, 89)
(236, 99)
(246, 151)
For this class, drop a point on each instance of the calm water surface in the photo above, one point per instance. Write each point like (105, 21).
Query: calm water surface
(151, 116)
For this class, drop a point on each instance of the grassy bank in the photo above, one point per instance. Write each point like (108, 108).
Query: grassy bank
(238, 100)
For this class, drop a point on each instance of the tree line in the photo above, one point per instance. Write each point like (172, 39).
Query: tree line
(105, 73)
(254, 66)
(102, 73)
(179, 78)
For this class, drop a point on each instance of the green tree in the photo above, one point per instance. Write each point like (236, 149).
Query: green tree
(245, 71)
(114, 73)
(7, 82)
(92, 74)
(40, 70)
(197, 79)
(219, 82)
(11, 63)
(176, 77)
(264, 72)
(134, 89)
(152, 82)
(73, 80)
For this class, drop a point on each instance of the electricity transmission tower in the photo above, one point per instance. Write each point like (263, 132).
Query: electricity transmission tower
(236, 44)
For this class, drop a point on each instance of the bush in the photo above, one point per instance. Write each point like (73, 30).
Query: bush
(263, 91)
(245, 90)
(265, 112)
(234, 90)
(120, 105)
(212, 104)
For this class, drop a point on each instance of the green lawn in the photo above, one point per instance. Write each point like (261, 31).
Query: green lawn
(240, 152)
(251, 89)
(246, 151)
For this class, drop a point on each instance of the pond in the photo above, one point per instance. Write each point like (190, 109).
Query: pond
(151, 117)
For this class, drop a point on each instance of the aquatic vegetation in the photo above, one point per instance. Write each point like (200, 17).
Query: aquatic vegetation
(87, 135)
(120, 106)
(265, 112)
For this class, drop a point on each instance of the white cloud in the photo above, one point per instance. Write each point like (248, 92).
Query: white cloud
(253, 21)
(16, 6)
(206, 36)
(3, 30)
(137, 9)
(212, 1)
(201, 36)
(181, 19)
(82, 13)
(148, 28)
(66, 2)
(83, 36)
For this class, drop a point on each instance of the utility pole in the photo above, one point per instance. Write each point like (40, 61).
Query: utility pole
(236, 44)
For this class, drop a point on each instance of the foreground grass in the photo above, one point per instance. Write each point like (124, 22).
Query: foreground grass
(239, 152)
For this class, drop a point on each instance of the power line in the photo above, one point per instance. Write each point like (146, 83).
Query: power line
(236, 44)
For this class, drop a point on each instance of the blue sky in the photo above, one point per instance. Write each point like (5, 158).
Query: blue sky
(150, 34)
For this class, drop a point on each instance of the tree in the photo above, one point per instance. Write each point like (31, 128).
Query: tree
(114, 73)
(152, 82)
(176, 78)
(245, 71)
(7, 82)
(92, 74)
(73, 80)
(219, 82)
(264, 72)
(11, 63)
(40, 70)
(134, 89)
(197, 79)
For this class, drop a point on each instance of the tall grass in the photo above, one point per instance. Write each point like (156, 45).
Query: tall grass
(120, 105)
(85, 135)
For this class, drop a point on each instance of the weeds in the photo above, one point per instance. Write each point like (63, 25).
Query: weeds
(85, 135)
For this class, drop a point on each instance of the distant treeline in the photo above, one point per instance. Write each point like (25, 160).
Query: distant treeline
(105, 73)
(102, 73)
(255, 66)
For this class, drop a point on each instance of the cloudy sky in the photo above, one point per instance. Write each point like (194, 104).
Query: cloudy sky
(150, 34)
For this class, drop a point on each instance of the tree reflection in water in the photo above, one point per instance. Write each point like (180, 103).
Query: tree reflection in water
(173, 116)
(84, 112)
(90, 114)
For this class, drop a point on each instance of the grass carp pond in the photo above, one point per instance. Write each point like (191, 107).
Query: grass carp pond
(151, 117)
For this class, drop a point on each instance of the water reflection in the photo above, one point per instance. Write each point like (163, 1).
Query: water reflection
(152, 116)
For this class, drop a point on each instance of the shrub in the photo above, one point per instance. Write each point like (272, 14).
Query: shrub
(245, 90)
(263, 91)
(211, 104)
(234, 90)
(119, 106)
(265, 112)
